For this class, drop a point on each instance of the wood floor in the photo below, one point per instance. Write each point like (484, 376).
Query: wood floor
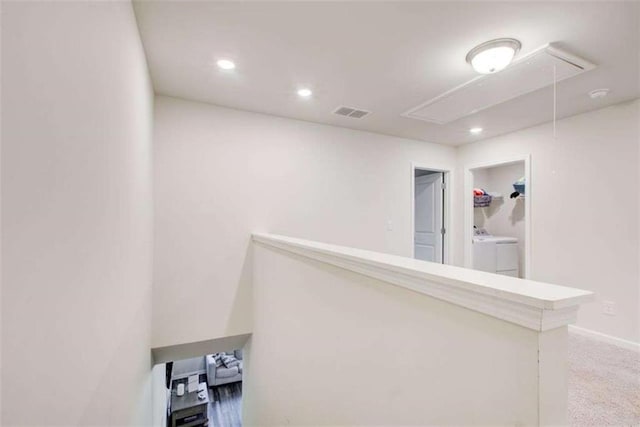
(225, 409)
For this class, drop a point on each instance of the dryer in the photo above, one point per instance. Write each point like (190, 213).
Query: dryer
(496, 254)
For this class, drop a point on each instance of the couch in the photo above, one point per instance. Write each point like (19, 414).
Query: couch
(217, 375)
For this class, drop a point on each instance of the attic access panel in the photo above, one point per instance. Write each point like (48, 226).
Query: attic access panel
(530, 73)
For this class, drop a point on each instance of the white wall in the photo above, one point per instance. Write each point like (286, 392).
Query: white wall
(221, 174)
(76, 215)
(585, 207)
(160, 395)
(320, 356)
(504, 217)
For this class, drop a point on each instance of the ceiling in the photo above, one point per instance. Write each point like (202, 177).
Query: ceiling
(384, 57)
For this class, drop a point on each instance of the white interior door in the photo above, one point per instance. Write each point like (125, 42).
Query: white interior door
(428, 217)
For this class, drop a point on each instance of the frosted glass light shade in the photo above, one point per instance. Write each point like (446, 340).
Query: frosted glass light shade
(493, 56)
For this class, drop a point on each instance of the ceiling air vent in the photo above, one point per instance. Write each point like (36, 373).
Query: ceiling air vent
(351, 112)
(529, 73)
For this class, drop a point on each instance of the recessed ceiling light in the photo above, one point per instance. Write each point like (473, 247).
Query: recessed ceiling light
(304, 92)
(493, 56)
(475, 131)
(226, 64)
(599, 93)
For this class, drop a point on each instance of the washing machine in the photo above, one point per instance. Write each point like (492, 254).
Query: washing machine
(496, 254)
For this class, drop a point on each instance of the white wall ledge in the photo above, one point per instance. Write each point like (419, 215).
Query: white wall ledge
(534, 305)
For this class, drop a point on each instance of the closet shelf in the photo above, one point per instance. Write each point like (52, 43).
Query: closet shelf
(486, 199)
(482, 201)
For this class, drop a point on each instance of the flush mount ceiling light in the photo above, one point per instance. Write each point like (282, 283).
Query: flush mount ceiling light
(305, 92)
(475, 131)
(226, 64)
(599, 93)
(493, 56)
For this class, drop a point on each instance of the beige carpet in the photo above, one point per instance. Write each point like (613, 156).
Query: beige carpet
(604, 384)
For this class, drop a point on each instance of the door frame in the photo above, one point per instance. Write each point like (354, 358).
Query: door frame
(467, 232)
(446, 209)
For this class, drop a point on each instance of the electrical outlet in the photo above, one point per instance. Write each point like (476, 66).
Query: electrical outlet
(389, 225)
(609, 308)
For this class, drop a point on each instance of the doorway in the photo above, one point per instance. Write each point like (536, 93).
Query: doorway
(430, 198)
(204, 390)
(213, 368)
(497, 217)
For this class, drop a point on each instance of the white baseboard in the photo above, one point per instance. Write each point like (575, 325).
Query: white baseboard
(629, 345)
